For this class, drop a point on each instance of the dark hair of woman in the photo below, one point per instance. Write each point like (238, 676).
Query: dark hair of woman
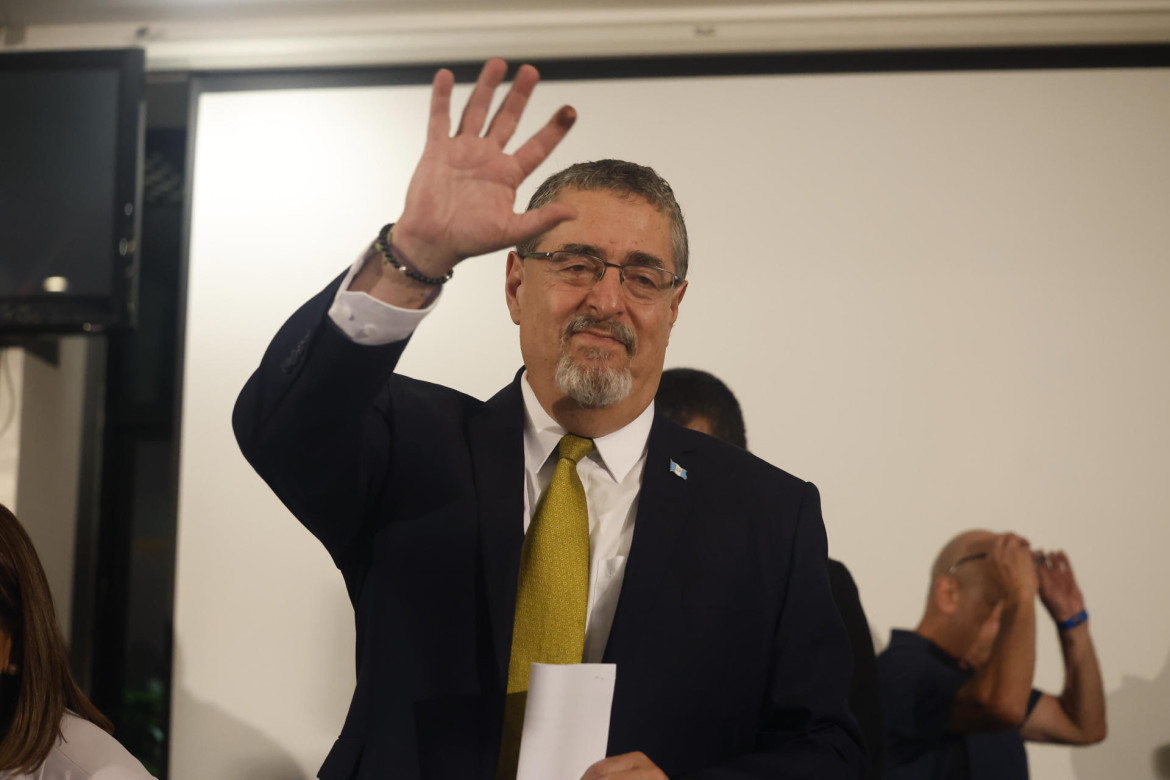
(37, 687)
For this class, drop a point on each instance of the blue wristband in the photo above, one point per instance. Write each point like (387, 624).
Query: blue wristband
(1073, 622)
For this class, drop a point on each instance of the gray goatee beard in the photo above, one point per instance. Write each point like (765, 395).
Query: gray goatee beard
(595, 385)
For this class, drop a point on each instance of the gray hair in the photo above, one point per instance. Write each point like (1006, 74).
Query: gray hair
(593, 387)
(622, 178)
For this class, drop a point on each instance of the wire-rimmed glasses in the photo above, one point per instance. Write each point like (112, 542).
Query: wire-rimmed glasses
(577, 269)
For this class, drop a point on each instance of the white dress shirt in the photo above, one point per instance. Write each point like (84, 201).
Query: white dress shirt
(85, 752)
(612, 476)
(611, 473)
(367, 320)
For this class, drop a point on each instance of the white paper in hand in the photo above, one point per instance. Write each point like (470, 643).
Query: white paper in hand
(566, 720)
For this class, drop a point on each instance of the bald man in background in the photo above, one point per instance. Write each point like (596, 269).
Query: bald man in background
(957, 692)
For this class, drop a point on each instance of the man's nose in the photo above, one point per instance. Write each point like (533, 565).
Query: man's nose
(607, 297)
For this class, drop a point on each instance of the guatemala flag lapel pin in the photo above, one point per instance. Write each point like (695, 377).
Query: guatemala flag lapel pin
(678, 470)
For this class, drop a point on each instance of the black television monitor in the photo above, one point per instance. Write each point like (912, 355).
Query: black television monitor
(71, 135)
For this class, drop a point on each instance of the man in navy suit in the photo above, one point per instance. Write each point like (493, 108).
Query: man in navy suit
(707, 584)
(701, 401)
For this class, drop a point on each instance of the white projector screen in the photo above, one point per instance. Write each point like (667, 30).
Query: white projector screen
(942, 297)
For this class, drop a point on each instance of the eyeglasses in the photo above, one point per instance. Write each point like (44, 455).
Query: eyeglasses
(575, 269)
(965, 559)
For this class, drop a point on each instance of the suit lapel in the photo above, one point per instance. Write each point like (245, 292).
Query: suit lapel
(664, 507)
(496, 435)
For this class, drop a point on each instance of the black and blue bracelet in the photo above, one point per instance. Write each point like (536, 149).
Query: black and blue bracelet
(391, 256)
(1073, 622)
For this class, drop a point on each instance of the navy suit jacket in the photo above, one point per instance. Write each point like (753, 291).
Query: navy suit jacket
(731, 658)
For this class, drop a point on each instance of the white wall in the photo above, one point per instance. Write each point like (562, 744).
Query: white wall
(941, 297)
(52, 414)
(11, 379)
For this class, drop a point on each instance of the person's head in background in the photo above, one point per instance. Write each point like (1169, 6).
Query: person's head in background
(36, 686)
(964, 601)
(697, 400)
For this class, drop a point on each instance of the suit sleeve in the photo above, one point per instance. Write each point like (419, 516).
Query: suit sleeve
(864, 695)
(310, 422)
(806, 731)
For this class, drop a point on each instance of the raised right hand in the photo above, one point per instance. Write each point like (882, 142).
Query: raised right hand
(1012, 568)
(462, 196)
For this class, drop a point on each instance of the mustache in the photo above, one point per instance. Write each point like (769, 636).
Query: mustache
(618, 330)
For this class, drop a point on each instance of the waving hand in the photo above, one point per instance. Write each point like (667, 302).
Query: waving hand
(462, 196)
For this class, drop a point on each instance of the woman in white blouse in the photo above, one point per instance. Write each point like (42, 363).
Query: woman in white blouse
(48, 729)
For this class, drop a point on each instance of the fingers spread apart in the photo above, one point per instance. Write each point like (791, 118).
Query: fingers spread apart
(508, 115)
(537, 148)
(480, 102)
(503, 125)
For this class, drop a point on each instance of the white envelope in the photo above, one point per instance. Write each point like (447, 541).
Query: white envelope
(566, 720)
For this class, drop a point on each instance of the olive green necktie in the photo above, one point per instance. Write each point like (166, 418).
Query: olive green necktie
(553, 591)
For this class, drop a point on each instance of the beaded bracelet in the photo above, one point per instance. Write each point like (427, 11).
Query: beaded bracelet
(1073, 622)
(391, 256)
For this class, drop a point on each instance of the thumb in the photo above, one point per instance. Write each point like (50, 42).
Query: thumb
(538, 221)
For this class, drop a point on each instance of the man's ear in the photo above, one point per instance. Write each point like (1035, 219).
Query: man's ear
(675, 300)
(513, 280)
(945, 594)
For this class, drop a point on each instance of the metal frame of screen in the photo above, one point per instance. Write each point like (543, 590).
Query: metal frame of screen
(1074, 57)
(62, 312)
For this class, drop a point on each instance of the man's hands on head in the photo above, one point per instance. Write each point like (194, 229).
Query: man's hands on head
(1077, 716)
(1021, 573)
(1012, 568)
(628, 766)
(1058, 587)
(996, 696)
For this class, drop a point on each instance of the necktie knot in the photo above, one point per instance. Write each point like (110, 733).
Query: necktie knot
(574, 447)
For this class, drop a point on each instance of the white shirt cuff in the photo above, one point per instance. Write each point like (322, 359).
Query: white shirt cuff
(367, 320)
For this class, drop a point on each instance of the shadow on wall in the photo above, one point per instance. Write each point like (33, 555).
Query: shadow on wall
(314, 683)
(1162, 761)
(226, 748)
(1138, 745)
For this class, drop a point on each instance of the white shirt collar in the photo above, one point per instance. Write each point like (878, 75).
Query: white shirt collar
(618, 451)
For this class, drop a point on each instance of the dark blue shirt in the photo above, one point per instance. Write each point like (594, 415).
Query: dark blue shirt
(918, 685)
